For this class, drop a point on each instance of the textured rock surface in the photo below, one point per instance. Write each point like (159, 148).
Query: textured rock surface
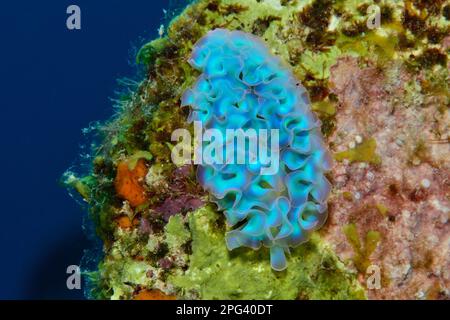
(411, 188)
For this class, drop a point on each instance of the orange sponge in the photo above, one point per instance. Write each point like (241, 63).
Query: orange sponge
(128, 182)
(152, 295)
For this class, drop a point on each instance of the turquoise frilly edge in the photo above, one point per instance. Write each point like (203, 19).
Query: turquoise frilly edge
(244, 86)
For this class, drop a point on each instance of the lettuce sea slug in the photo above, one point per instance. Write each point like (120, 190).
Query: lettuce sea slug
(244, 86)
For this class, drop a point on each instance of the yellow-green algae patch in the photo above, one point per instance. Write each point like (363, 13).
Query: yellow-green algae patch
(318, 64)
(361, 258)
(382, 209)
(123, 274)
(314, 271)
(176, 233)
(324, 107)
(132, 161)
(364, 152)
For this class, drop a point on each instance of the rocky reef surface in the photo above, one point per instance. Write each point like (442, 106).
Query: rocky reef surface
(382, 95)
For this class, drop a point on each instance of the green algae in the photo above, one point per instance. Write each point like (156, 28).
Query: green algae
(119, 277)
(318, 63)
(119, 273)
(82, 185)
(151, 50)
(132, 256)
(325, 107)
(314, 271)
(347, 195)
(362, 252)
(382, 209)
(364, 152)
(133, 160)
(176, 232)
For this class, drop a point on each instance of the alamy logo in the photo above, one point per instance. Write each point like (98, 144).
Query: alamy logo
(374, 277)
(374, 20)
(74, 279)
(236, 146)
(73, 21)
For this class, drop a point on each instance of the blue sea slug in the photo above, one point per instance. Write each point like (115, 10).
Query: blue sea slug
(243, 85)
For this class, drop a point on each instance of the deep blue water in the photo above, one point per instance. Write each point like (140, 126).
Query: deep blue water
(54, 82)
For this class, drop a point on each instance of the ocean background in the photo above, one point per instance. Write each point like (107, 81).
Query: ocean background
(54, 83)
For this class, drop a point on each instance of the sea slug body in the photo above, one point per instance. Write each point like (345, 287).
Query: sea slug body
(243, 85)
